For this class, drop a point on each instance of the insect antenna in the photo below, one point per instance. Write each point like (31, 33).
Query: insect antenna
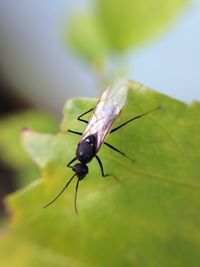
(60, 192)
(75, 198)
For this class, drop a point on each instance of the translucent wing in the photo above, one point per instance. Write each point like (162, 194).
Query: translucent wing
(106, 111)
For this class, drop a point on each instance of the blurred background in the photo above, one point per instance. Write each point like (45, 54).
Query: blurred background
(52, 50)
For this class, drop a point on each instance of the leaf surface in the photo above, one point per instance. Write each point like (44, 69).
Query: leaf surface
(111, 27)
(150, 218)
(128, 23)
(12, 152)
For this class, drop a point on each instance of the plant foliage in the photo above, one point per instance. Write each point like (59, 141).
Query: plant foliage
(150, 218)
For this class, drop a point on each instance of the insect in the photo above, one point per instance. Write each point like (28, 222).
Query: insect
(107, 109)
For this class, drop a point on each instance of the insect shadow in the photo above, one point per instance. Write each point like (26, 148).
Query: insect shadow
(98, 127)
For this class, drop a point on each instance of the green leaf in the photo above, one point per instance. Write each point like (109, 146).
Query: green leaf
(116, 26)
(150, 218)
(87, 38)
(12, 153)
(130, 22)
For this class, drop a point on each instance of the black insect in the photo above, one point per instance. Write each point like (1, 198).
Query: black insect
(99, 126)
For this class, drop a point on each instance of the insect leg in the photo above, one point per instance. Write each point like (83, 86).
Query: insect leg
(69, 164)
(101, 166)
(74, 132)
(134, 118)
(79, 118)
(117, 150)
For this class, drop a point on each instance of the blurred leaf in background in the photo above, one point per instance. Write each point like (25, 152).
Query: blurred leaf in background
(16, 168)
(12, 153)
(87, 37)
(130, 22)
(150, 218)
(116, 26)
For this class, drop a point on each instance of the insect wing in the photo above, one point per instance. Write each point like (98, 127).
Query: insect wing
(107, 110)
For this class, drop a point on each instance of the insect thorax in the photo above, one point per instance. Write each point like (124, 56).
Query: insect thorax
(86, 149)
